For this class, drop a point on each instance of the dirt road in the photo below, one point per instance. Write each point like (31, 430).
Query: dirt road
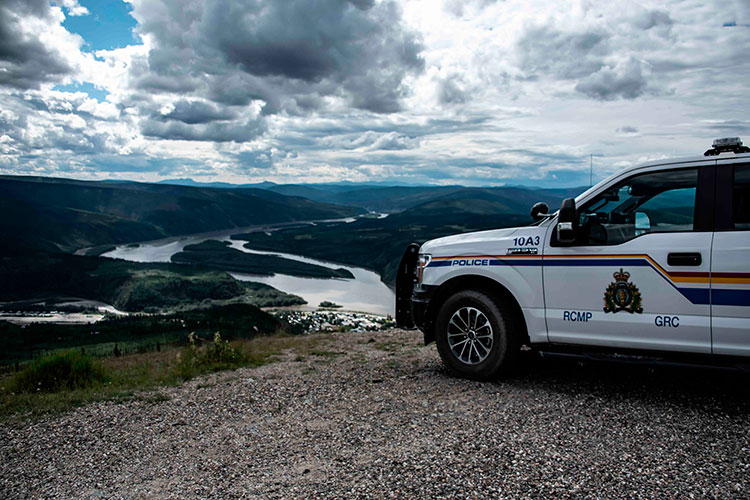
(375, 415)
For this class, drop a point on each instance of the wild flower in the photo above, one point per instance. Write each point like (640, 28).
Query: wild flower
(214, 356)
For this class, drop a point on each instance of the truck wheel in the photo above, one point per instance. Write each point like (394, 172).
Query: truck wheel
(473, 335)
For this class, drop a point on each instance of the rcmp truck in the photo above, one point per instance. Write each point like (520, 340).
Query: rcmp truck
(652, 263)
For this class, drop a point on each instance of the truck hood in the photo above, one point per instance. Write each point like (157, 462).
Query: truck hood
(474, 243)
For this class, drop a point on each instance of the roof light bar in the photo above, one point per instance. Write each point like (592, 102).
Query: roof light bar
(727, 145)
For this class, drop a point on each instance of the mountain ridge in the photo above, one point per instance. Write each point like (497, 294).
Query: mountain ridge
(57, 214)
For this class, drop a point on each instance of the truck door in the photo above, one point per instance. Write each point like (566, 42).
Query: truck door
(730, 264)
(638, 274)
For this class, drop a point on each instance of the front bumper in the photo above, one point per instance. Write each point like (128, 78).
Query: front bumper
(405, 279)
(412, 300)
(420, 300)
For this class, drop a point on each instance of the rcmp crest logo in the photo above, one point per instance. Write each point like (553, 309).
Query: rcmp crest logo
(622, 295)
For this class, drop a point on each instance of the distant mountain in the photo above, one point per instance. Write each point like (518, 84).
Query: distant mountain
(387, 198)
(492, 201)
(308, 191)
(223, 185)
(332, 187)
(392, 199)
(54, 214)
(377, 199)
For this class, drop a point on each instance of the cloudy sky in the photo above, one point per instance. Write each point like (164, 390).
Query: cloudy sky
(473, 92)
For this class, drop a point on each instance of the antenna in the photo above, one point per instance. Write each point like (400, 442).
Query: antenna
(591, 170)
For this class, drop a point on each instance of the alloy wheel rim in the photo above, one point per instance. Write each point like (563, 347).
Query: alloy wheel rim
(470, 335)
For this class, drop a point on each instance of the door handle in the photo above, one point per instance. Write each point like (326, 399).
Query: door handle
(684, 259)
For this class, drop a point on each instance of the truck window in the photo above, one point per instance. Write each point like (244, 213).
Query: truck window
(741, 198)
(646, 203)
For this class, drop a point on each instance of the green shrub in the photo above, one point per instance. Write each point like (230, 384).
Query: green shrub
(65, 370)
(215, 356)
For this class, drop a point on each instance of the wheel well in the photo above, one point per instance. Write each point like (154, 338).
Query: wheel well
(480, 284)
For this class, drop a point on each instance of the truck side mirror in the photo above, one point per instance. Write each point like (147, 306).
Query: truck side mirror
(539, 211)
(567, 221)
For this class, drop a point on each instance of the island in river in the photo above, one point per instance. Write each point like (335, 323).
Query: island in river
(220, 255)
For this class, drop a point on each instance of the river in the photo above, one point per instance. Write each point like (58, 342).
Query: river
(364, 293)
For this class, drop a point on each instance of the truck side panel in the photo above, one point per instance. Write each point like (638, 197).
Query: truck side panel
(513, 259)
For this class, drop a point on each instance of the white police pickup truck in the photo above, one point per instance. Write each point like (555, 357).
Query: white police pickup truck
(652, 261)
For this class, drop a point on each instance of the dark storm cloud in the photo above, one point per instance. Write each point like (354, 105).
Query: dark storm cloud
(166, 83)
(310, 40)
(282, 51)
(652, 19)
(379, 90)
(586, 57)
(194, 112)
(731, 127)
(624, 81)
(25, 62)
(546, 51)
(240, 89)
(39, 8)
(213, 131)
(363, 4)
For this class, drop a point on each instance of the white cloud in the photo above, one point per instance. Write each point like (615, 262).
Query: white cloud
(104, 110)
(478, 91)
(74, 8)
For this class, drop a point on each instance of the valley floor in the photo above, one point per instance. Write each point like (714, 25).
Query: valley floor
(374, 414)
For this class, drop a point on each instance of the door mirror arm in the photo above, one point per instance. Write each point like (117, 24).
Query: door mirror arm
(540, 211)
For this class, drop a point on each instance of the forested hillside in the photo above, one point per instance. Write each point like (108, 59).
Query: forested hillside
(65, 215)
(378, 244)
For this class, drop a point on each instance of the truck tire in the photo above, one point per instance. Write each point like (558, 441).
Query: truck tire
(474, 335)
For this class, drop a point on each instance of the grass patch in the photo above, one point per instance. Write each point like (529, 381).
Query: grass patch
(62, 381)
(80, 379)
(214, 356)
(65, 370)
(117, 379)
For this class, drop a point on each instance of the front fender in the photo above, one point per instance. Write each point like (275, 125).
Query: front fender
(524, 283)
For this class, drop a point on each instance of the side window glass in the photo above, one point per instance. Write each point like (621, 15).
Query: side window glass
(646, 203)
(741, 197)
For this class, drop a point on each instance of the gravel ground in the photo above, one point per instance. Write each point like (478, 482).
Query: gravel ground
(384, 419)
